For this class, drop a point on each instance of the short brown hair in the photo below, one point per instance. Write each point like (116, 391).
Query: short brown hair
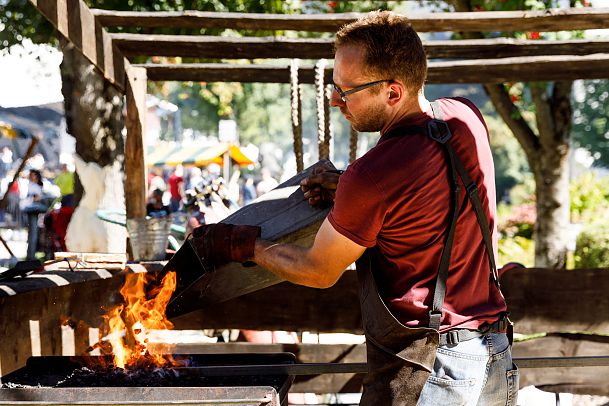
(393, 48)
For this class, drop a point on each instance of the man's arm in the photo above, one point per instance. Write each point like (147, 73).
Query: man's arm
(319, 266)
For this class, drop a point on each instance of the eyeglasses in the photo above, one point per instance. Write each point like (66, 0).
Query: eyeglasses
(343, 95)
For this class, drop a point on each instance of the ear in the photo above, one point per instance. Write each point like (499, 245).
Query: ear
(397, 92)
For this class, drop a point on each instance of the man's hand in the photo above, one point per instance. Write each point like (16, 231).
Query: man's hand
(220, 243)
(320, 187)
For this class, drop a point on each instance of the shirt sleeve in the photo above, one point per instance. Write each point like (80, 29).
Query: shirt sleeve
(359, 207)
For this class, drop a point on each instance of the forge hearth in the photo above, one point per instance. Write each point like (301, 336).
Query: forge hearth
(232, 379)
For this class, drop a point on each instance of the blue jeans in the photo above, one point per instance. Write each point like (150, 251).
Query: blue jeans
(474, 372)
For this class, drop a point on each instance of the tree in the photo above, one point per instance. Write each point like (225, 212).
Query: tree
(544, 138)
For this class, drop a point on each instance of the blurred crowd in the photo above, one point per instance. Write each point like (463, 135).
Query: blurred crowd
(41, 198)
(202, 194)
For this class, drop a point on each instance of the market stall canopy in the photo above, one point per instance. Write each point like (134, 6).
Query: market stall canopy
(197, 156)
(7, 130)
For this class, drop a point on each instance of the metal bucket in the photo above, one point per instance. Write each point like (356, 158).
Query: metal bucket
(148, 237)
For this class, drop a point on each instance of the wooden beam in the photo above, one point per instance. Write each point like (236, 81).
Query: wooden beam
(315, 48)
(223, 47)
(284, 306)
(136, 184)
(525, 69)
(74, 20)
(223, 72)
(579, 380)
(539, 20)
(539, 300)
(533, 68)
(546, 300)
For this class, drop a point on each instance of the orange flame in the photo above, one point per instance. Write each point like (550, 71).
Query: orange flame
(142, 311)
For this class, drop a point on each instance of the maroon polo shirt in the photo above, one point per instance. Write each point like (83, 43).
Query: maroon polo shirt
(396, 200)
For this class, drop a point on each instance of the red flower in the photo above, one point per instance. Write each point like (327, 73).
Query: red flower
(533, 35)
(514, 98)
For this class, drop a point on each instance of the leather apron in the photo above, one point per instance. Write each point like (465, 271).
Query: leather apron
(400, 358)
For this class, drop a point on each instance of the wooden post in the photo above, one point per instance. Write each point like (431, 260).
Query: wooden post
(135, 157)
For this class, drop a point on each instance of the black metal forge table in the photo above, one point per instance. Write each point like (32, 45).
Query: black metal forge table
(211, 379)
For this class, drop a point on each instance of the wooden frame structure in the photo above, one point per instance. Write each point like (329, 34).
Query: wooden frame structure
(469, 61)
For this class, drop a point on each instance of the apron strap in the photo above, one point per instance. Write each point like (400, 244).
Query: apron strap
(474, 197)
(437, 129)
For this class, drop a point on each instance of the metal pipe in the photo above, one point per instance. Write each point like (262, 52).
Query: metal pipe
(562, 362)
(276, 369)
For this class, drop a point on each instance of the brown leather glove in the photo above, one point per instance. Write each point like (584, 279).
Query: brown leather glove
(220, 243)
(320, 187)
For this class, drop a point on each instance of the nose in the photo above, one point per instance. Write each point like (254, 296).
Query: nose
(335, 100)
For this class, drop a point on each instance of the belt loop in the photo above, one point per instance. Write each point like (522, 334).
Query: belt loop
(435, 319)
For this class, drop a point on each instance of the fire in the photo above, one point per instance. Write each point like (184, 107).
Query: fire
(143, 310)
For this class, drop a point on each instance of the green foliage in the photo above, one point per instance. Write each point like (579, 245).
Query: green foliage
(19, 19)
(592, 247)
(263, 114)
(511, 167)
(590, 123)
(589, 198)
(516, 249)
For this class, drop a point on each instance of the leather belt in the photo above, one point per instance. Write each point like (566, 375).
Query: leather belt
(452, 337)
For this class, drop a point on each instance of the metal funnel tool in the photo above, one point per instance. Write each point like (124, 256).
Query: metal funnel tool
(283, 214)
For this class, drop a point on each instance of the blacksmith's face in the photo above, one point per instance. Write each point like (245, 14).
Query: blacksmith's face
(365, 109)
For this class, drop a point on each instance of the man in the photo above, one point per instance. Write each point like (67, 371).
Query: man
(431, 305)
(65, 181)
(176, 188)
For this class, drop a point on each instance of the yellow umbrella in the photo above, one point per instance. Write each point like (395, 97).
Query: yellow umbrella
(215, 154)
(8, 131)
(238, 156)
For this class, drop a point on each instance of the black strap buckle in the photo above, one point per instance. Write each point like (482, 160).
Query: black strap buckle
(438, 130)
(471, 189)
(452, 337)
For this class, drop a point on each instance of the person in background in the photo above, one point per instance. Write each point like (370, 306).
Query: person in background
(267, 183)
(155, 206)
(176, 188)
(195, 216)
(155, 179)
(33, 198)
(6, 161)
(248, 190)
(65, 181)
(32, 206)
(195, 177)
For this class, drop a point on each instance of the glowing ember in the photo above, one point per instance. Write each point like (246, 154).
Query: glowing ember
(142, 311)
